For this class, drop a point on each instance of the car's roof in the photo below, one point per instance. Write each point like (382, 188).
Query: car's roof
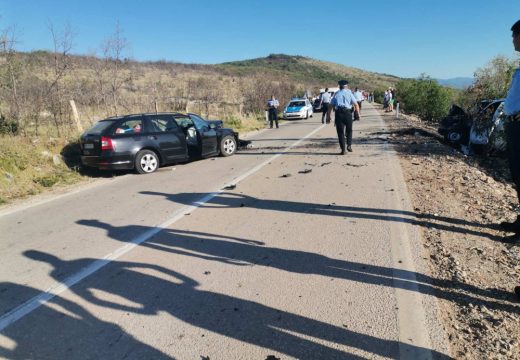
(118, 117)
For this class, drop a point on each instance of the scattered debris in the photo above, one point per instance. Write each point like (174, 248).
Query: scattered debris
(286, 175)
(306, 171)
(247, 144)
(230, 187)
(326, 163)
(355, 165)
(207, 272)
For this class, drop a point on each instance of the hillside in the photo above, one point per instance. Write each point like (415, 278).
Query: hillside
(460, 83)
(311, 71)
(104, 87)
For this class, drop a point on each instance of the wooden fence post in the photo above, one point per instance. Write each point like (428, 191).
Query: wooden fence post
(76, 115)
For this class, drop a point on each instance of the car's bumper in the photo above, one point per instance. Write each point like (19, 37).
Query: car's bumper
(108, 163)
(293, 116)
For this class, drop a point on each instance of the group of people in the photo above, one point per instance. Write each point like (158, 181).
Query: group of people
(346, 104)
(389, 100)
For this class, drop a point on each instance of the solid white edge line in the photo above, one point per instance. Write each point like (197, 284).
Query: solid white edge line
(29, 306)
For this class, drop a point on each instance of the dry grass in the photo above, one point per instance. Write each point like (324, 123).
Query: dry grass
(29, 166)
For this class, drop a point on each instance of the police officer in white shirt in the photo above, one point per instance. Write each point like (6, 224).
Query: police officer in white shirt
(325, 103)
(512, 110)
(272, 107)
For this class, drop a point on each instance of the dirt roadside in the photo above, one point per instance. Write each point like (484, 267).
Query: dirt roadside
(473, 273)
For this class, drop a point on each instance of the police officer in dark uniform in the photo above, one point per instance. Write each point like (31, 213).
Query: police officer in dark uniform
(344, 102)
(272, 107)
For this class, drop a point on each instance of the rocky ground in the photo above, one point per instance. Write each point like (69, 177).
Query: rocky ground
(458, 199)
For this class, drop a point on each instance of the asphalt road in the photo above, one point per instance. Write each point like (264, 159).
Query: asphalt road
(308, 255)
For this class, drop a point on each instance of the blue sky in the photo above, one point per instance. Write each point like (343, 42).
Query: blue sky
(402, 37)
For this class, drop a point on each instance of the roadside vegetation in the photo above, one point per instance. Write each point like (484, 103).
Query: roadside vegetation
(430, 101)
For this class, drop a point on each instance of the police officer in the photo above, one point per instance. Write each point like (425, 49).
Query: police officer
(512, 110)
(344, 102)
(325, 103)
(272, 106)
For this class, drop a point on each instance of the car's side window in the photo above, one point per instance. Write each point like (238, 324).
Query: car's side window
(131, 126)
(162, 123)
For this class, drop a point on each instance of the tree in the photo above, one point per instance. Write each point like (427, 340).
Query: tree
(113, 49)
(424, 97)
(10, 73)
(62, 64)
(491, 81)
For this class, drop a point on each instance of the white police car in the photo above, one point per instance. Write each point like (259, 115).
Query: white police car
(298, 109)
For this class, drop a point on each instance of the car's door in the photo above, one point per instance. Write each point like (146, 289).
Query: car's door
(207, 136)
(129, 136)
(168, 137)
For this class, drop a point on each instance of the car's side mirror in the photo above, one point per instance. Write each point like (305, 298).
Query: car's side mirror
(212, 126)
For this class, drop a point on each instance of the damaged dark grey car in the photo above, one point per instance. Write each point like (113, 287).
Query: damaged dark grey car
(145, 142)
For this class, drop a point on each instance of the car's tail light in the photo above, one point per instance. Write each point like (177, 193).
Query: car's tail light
(107, 144)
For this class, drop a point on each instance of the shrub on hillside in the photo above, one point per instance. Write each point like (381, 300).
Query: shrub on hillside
(8, 127)
(233, 122)
(379, 95)
(424, 97)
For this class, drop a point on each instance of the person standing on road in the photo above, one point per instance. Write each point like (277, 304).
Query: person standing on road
(359, 98)
(512, 130)
(272, 106)
(325, 103)
(344, 101)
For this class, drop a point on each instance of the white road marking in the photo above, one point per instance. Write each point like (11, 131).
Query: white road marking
(39, 300)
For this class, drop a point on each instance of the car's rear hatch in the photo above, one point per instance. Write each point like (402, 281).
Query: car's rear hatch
(92, 141)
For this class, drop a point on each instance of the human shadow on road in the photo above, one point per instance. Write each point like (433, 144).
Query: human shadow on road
(234, 200)
(62, 329)
(152, 289)
(245, 252)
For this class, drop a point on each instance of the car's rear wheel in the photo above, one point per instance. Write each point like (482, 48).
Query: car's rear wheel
(146, 162)
(228, 145)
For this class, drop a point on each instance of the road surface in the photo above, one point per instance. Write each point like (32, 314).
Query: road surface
(286, 250)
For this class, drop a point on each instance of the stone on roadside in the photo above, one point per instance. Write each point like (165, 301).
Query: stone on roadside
(56, 159)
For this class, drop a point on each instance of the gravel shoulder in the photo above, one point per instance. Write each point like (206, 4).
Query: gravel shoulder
(457, 200)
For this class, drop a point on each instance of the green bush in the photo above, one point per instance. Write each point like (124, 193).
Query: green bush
(47, 180)
(424, 97)
(233, 122)
(379, 95)
(8, 127)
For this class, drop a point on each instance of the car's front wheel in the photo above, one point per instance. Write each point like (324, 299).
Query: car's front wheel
(228, 145)
(146, 162)
(454, 137)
